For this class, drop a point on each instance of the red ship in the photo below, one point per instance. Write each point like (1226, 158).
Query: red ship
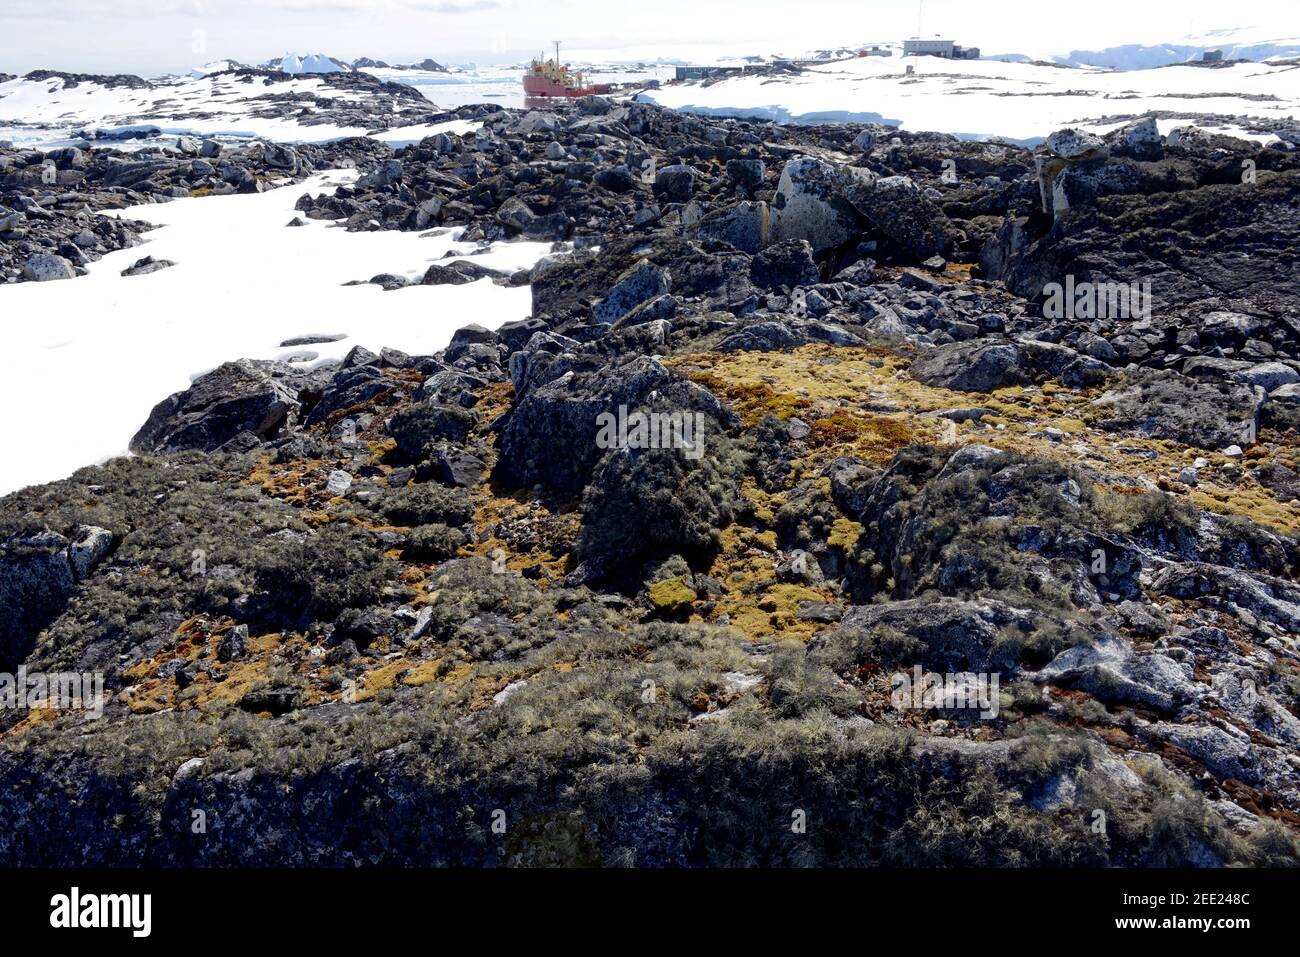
(551, 79)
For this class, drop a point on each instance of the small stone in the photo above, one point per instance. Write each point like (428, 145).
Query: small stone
(508, 692)
(338, 483)
(89, 546)
(232, 644)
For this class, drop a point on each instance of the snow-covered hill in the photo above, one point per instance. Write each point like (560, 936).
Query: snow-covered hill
(58, 109)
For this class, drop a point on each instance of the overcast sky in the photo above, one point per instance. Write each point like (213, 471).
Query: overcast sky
(154, 36)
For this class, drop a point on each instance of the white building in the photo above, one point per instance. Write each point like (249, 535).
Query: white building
(947, 49)
(919, 47)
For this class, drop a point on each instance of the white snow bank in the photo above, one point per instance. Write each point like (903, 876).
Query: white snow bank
(979, 99)
(88, 358)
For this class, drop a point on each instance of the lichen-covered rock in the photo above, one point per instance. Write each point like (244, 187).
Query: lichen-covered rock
(986, 365)
(418, 429)
(1170, 406)
(953, 635)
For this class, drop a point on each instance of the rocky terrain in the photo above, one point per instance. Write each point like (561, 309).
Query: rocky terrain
(52, 201)
(420, 610)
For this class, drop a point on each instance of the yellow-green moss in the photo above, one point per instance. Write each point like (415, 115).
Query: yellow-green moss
(672, 595)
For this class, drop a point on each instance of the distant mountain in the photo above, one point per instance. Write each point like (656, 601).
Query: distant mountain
(1247, 43)
(428, 65)
(295, 64)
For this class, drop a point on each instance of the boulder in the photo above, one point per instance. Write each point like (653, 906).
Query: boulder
(785, 264)
(1139, 140)
(1266, 597)
(982, 365)
(1076, 145)
(1166, 405)
(451, 465)
(743, 226)
(281, 157)
(87, 549)
(1079, 184)
(810, 205)
(910, 220)
(638, 284)
(338, 483)
(747, 174)
(361, 380)
(244, 396)
(148, 264)
(771, 336)
(457, 272)
(549, 437)
(419, 428)
(616, 179)
(1268, 376)
(46, 267)
(956, 635)
(232, 644)
(675, 184)
(654, 310)
(36, 580)
(1112, 672)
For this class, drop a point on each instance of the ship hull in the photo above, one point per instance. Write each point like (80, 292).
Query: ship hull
(541, 86)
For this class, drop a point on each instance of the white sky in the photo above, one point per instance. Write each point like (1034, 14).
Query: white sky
(154, 36)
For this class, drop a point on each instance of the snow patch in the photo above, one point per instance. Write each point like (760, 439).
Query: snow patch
(88, 358)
